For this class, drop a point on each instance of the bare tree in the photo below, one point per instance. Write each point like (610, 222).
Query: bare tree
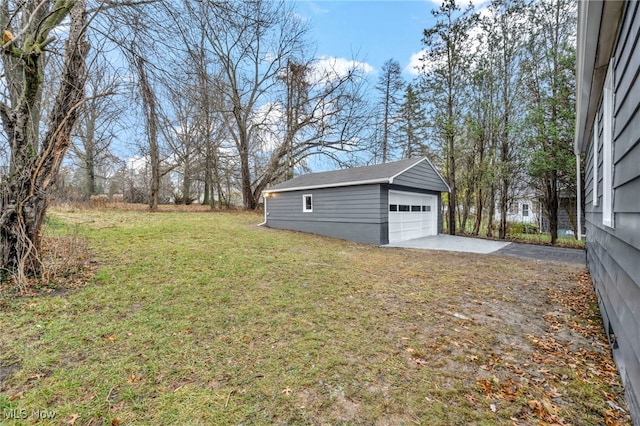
(280, 106)
(34, 164)
(97, 123)
(252, 42)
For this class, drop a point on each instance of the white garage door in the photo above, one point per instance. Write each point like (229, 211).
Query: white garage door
(411, 216)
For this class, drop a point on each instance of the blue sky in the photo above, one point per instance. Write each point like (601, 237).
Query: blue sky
(373, 30)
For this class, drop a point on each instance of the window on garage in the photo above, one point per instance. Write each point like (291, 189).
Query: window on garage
(307, 203)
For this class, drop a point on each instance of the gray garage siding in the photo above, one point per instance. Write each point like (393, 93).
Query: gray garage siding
(422, 176)
(613, 253)
(357, 213)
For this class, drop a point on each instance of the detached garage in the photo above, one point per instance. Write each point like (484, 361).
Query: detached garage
(373, 204)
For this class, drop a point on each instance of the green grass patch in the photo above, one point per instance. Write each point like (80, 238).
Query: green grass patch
(204, 318)
(568, 242)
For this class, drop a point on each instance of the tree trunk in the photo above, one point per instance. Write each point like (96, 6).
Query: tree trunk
(23, 194)
(492, 210)
(151, 118)
(479, 206)
(247, 193)
(553, 207)
(504, 210)
(452, 185)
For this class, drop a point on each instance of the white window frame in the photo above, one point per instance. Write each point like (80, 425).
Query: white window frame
(528, 209)
(595, 161)
(304, 203)
(607, 149)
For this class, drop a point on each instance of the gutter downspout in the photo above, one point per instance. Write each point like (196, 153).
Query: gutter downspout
(578, 197)
(264, 196)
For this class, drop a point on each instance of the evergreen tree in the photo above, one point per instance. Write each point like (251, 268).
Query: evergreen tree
(445, 77)
(389, 86)
(550, 81)
(412, 124)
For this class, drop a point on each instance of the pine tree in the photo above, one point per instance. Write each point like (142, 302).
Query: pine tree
(389, 86)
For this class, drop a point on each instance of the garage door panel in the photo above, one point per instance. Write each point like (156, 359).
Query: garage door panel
(411, 215)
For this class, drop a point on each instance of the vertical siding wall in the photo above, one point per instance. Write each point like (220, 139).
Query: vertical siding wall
(613, 254)
(356, 213)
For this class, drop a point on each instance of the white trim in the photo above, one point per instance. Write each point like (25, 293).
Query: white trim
(330, 185)
(579, 194)
(408, 168)
(439, 175)
(595, 161)
(388, 180)
(304, 203)
(598, 23)
(264, 197)
(430, 164)
(607, 148)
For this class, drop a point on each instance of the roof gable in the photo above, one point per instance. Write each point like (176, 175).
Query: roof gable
(376, 174)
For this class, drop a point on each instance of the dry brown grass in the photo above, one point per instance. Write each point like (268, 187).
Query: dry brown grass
(204, 318)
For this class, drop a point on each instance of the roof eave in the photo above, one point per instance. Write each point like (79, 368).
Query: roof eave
(594, 50)
(330, 185)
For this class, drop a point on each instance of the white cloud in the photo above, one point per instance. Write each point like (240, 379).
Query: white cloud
(137, 163)
(413, 68)
(478, 4)
(269, 118)
(316, 9)
(328, 68)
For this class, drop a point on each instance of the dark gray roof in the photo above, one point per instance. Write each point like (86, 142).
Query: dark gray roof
(379, 173)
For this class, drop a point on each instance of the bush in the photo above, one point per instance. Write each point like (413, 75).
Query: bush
(522, 228)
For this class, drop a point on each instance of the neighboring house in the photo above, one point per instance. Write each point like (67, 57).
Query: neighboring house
(608, 136)
(567, 225)
(523, 209)
(372, 204)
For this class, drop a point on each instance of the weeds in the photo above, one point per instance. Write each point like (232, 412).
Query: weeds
(63, 259)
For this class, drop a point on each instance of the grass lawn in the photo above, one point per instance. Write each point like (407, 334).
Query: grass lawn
(205, 319)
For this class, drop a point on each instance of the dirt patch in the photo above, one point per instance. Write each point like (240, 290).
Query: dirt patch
(5, 372)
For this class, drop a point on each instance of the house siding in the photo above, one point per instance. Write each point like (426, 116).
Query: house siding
(356, 213)
(422, 176)
(613, 253)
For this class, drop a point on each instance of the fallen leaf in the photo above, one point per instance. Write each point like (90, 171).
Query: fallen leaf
(72, 420)
(287, 391)
(16, 396)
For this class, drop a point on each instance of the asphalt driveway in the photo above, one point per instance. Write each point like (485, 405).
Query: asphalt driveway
(499, 248)
(547, 253)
